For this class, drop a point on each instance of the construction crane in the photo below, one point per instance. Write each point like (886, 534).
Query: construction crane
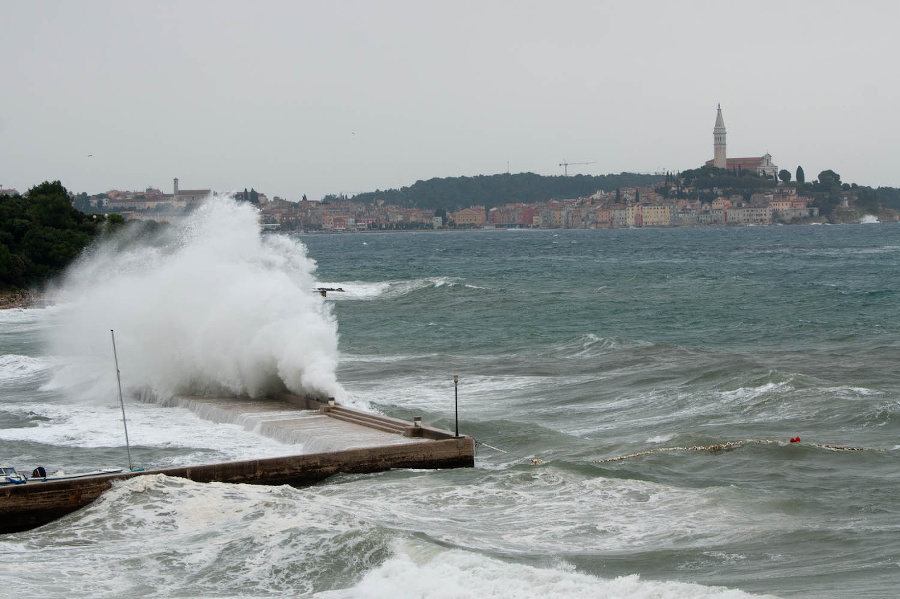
(565, 165)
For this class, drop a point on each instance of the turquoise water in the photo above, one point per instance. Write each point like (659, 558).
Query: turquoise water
(576, 346)
(572, 348)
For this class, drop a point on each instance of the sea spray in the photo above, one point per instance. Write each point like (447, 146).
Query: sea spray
(205, 306)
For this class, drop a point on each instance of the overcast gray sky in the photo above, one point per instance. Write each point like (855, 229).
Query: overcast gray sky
(343, 97)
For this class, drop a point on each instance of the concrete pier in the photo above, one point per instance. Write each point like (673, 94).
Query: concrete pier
(371, 443)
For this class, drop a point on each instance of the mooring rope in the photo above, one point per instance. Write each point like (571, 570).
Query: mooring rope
(723, 446)
(478, 443)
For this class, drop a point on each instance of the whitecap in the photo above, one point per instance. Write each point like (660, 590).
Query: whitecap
(417, 570)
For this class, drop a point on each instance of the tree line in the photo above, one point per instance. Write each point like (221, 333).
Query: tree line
(827, 191)
(41, 233)
(490, 191)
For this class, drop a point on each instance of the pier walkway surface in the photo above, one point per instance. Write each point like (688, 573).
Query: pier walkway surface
(317, 428)
(334, 439)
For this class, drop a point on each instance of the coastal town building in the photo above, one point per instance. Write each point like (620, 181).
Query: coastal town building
(624, 208)
(761, 165)
(675, 203)
(749, 215)
(469, 217)
(188, 197)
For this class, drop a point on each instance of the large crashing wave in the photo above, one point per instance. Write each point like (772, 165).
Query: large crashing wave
(204, 306)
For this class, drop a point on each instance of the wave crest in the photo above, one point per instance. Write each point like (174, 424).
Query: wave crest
(207, 306)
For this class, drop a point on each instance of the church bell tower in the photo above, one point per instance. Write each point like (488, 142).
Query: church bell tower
(719, 159)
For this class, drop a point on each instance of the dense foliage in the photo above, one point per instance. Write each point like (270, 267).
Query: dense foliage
(730, 181)
(827, 191)
(454, 193)
(41, 233)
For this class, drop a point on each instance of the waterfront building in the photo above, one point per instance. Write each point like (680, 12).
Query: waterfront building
(721, 203)
(618, 216)
(602, 218)
(686, 217)
(469, 217)
(780, 206)
(657, 215)
(634, 215)
(749, 215)
(711, 216)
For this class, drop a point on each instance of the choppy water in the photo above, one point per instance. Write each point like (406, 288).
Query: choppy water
(572, 347)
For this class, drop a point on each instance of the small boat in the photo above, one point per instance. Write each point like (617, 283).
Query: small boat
(11, 476)
(63, 476)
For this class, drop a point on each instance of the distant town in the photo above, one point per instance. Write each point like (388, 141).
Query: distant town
(621, 208)
(723, 192)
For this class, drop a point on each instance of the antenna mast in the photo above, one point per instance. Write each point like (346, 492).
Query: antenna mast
(121, 400)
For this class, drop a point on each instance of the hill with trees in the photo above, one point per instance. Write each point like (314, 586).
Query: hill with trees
(455, 193)
(836, 200)
(41, 233)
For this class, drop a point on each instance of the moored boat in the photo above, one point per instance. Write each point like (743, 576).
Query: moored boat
(11, 476)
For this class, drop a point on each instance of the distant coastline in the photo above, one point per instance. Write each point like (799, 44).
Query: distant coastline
(888, 219)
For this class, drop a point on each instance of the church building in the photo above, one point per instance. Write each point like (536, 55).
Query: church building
(762, 164)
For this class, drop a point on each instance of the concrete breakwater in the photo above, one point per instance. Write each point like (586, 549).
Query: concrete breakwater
(405, 445)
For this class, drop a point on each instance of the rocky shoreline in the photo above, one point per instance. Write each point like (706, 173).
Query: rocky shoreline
(19, 298)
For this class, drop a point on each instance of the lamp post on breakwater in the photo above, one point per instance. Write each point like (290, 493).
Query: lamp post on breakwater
(456, 400)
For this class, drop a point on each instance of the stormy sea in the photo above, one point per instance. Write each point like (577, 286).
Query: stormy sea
(634, 393)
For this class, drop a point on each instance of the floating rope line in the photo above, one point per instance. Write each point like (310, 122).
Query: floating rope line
(724, 446)
(479, 443)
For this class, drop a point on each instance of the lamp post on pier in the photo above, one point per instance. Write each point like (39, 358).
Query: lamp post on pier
(456, 400)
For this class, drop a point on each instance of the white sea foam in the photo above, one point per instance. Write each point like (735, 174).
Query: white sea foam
(159, 536)
(14, 367)
(212, 307)
(21, 319)
(564, 513)
(88, 425)
(368, 290)
(661, 438)
(478, 394)
(356, 290)
(590, 345)
(155, 534)
(417, 570)
(744, 395)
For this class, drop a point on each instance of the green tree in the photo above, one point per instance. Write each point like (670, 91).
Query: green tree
(829, 179)
(455, 193)
(867, 198)
(889, 197)
(6, 262)
(82, 203)
(801, 176)
(41, 233)
(784, 175)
